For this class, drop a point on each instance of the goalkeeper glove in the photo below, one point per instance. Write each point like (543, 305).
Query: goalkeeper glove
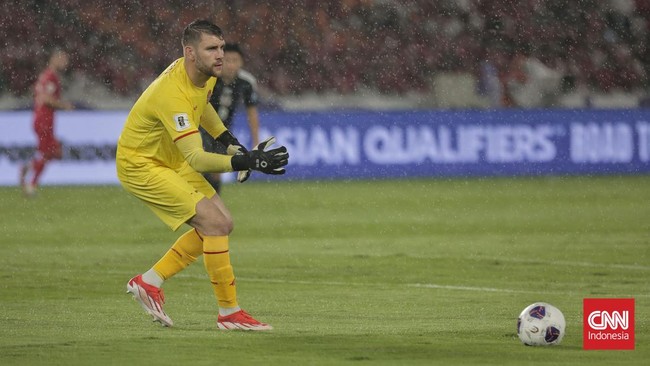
(267, 162)
(242, 175)
(233, 146)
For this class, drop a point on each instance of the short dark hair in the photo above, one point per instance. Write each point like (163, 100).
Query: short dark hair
(192, 33)
(233, 47)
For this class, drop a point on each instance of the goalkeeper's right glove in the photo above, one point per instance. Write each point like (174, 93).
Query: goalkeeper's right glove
(233, 146)
(267, 162)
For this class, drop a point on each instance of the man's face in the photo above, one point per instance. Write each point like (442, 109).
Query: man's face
(232, 62)
(208, 55)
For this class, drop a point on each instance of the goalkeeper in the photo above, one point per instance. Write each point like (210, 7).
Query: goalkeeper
(160, 160)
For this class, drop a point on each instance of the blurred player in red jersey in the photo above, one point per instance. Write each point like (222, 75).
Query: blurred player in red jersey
(47, 99)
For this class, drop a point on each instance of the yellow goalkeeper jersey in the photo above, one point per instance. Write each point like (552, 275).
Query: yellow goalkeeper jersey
(170, 109)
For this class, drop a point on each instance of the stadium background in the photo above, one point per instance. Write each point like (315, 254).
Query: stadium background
(529, 53)
(429, 268)
(419, 56)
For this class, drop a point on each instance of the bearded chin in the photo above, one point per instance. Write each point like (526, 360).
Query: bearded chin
(206, 70)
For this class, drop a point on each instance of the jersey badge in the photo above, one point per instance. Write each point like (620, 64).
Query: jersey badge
(182, 121)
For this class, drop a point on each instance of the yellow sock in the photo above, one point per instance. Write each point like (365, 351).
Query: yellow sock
(184, 251)
(217, 263)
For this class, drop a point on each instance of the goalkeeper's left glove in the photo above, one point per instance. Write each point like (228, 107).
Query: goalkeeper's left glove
(267, 162)
(243, 175)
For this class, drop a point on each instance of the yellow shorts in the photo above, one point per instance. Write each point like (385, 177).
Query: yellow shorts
(171, 194)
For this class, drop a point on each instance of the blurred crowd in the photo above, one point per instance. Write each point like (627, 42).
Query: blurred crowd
(514, 48)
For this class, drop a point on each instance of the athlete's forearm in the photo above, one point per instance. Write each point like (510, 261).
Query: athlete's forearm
(205, 162)
(201, 161)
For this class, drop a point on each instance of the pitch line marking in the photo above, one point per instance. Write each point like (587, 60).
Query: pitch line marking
(420, 285)
(413, 285)
(633, 267)
(630, 267)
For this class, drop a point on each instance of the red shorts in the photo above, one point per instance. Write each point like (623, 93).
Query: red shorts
(48, 145)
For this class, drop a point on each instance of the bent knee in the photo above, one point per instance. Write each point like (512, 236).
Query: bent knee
(211, 220)
(221, 227)
(228, 226)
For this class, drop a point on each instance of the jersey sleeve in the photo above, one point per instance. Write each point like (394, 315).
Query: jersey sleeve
(177, 117)
(211, 122)
(183, 128)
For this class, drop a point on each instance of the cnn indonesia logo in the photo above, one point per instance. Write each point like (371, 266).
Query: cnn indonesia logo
(608, 324)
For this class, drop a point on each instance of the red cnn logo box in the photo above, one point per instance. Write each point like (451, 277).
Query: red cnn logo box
(608, 324)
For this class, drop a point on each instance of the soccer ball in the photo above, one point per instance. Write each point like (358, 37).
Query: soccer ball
(541, 324)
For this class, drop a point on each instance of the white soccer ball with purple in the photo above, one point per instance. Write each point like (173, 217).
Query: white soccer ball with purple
(541, 324)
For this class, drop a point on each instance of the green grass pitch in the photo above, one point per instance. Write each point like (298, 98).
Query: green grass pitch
(349, 273)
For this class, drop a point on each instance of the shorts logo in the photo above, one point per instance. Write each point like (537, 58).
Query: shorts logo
(608, 324)
(182, 121)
